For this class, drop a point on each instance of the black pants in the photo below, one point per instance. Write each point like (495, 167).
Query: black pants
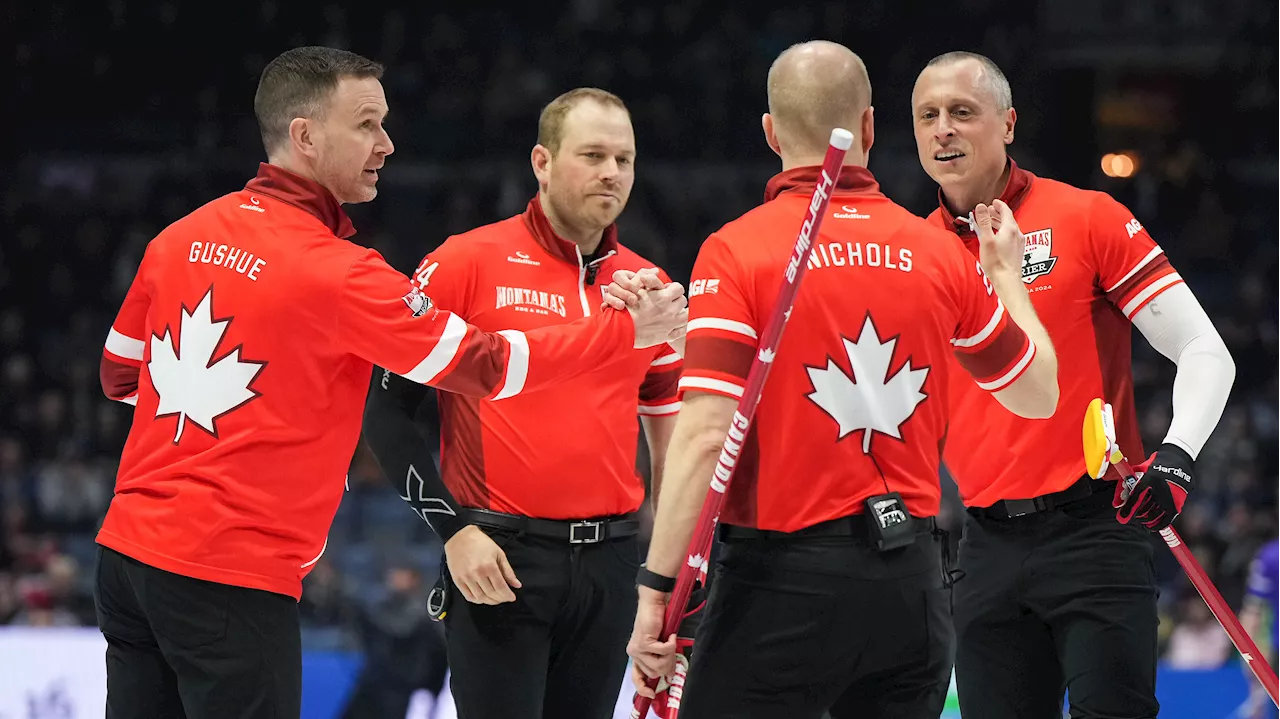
(796, 627)
(1056, 600)
(559, 650)
(183, 647)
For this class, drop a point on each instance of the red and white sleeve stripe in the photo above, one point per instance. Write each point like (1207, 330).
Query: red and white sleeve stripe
(123, 347)
(659, 393)
(717, 323)
(985, 332)
(998, 354)
(718, 356)
(442, 354)
(659, 410)
(722, 335)
(120, 366)
(408, 334)
(1013, 373)
(517, 364)
(1151, 275)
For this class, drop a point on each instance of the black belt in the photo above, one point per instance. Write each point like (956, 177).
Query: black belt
(587, 531)
(854, 526)
(1082, 488)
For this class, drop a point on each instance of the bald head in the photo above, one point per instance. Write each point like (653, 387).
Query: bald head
(814, 87)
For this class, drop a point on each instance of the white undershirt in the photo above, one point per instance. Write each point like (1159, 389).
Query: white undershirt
(1177, 327)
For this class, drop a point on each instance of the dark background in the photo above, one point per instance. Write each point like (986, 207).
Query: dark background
(127, 115)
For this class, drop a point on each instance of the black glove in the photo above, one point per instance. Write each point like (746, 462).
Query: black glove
(1162, 489)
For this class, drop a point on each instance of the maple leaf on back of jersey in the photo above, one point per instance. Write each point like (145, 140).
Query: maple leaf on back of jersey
(189, 383)
(871, 400)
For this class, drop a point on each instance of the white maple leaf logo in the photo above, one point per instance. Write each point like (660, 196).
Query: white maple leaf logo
(870, 400)
(190, 384)
(767, 355)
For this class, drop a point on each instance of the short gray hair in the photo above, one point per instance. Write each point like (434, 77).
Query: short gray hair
(298, 84)
(996, 82)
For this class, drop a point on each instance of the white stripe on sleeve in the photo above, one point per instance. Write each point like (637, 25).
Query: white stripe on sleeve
(517, 364)
(442, 354)
(1154, 253)
(986, 331)
(659, 409)
(1007, 379)
(665, 360)
(1151, 290)
(716, 323)
(124, 346)
(716, 385)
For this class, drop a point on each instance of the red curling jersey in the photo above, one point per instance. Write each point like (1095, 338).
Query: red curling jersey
(566, 452)
(246, 343)
(1089, 266)
(855, 403)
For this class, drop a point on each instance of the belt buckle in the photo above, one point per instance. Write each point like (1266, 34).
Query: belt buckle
(596, 536)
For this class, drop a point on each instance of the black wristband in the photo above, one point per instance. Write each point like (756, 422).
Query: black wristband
(655, 581)
(1170, 452)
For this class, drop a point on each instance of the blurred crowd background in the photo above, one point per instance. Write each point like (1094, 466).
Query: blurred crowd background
(130, 114)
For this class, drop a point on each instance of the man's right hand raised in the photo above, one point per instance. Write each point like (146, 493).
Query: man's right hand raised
(1001, 244)
(479, 567)
(1001, 247)
(660, 312)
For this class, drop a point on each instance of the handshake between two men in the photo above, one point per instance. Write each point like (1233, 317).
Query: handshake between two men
(659, 309)
(655, 306)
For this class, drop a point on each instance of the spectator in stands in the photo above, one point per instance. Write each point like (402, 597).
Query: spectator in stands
(1198, 641)
(404, 649)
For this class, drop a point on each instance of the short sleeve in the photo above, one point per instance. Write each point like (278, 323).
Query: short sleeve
(126, 339)
(1132, 269)
(659, 392)
(723, 331)
(125, 346)
(989, 345)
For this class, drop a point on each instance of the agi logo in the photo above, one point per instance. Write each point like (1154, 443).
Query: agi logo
(704, 287)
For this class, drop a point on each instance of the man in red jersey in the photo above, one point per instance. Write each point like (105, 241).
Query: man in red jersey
(829, 591)
(246, 343)
(1056, 594)
(537, 504)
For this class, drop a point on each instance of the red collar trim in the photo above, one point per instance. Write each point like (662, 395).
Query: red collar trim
(536, 221)
(1016, 189)
(853, 178)
(304, 194)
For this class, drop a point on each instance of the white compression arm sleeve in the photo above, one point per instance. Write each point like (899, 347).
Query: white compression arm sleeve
(1177, 327)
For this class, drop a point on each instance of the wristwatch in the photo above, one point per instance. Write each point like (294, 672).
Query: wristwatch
(655, 581)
